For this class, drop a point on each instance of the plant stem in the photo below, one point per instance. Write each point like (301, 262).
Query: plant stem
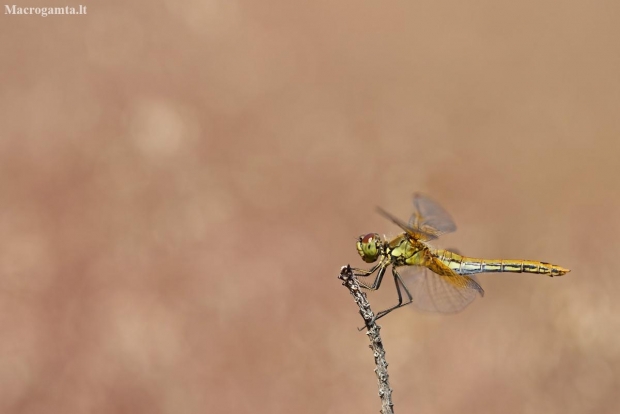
(373, 331)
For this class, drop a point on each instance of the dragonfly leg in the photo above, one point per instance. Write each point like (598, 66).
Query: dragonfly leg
(375, 285)
(398, 282)
(364, 272)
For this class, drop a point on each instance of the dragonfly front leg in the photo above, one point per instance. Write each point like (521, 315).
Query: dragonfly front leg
(375, 285)
(364, 272)
(382, 268)
(398, 282)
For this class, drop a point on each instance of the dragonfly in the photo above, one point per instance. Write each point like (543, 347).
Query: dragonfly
(438, 280)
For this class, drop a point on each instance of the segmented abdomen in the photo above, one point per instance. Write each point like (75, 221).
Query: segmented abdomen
(464, 265)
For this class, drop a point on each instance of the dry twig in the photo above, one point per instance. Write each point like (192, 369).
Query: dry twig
(385, 392)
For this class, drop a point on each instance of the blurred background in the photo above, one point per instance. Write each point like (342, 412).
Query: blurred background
(182, 180)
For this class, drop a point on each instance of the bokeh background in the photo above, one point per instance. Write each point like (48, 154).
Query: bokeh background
(182, 180)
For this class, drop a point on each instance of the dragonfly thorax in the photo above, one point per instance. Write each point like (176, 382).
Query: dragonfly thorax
(370, 247)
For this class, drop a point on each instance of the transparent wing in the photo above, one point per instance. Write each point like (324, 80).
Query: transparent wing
(429, 217)
(442, 294)
(413, 232)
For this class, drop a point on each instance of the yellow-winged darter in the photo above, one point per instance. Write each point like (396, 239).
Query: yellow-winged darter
(433, 280)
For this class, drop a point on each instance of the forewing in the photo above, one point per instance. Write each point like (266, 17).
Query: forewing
(429, 217)
(441, 294)
(412, 231)
(406, 227)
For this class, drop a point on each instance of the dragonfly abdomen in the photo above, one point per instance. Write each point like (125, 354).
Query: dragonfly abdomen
(464, 265)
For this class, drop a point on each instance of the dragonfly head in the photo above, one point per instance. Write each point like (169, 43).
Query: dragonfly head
(370, 247)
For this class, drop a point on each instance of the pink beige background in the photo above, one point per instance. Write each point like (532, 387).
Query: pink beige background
(182, 180)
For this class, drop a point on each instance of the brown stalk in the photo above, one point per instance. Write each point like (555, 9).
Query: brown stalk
(373, 331)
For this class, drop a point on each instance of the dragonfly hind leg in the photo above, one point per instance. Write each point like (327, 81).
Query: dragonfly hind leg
(398, 282)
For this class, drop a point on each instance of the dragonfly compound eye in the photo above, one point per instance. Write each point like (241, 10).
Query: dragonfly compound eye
(368, 248)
